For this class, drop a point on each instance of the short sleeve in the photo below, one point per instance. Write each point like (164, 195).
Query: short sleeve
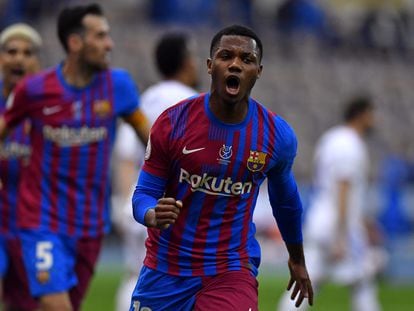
(126, 92)
(346, 161)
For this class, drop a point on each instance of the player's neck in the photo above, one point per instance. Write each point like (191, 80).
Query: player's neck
(228, 112)
(75, 74)
(357, 127)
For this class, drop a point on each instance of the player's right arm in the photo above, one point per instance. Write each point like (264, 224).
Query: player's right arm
(3, 129)
(16, 110)
(150, 207)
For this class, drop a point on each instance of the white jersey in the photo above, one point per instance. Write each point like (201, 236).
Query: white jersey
(341, 154)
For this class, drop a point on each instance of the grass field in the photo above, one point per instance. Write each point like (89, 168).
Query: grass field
(331, 298)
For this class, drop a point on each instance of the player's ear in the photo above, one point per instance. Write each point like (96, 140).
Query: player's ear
(74, 42)
(209, 62)
(259, 71)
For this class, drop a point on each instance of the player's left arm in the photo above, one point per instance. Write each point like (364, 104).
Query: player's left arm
(287, 210)
(140, 124)
(128, 103)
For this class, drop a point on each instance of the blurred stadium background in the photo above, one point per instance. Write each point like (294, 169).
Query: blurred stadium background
(317, 53)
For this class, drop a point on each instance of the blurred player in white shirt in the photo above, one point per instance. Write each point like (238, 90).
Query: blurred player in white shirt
(335, 232)
(177, 63)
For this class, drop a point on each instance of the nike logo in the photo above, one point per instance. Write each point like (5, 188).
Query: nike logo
(51, 110)
(188, 151)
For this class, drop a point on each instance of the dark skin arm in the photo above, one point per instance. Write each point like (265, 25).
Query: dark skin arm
(299, 277)
(164, 214)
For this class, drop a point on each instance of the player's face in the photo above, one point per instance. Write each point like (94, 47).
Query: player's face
(18, 58)
(97, 43)
(234, 67)
(369, 121)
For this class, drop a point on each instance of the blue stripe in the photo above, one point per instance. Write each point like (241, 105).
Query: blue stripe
(215, 224)
(45, 186)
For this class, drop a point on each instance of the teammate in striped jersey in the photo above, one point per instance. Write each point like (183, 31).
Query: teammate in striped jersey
(19, 46)
(73, 108)
(196, 193)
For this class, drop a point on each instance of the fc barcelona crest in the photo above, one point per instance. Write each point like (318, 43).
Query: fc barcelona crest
(102, 108)
(256, 161)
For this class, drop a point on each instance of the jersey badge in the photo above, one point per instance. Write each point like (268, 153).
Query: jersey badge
(256, 161)
(43, 276)
(225, 154)
(102, 108)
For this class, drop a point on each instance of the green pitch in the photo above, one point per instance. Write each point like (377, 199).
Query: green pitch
(394, 298)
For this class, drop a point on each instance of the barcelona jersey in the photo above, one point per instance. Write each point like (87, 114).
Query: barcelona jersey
(65, 188)
(215, 169)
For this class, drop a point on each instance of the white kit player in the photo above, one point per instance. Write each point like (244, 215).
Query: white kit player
(336, 237)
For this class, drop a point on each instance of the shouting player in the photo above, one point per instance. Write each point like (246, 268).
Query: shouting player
(196, 193)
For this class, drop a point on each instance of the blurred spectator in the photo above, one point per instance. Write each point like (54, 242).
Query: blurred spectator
(184, 12)
(384, 29)
(13, 11)
(301, 17)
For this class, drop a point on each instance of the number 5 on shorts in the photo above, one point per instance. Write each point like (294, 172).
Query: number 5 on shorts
(44, 255)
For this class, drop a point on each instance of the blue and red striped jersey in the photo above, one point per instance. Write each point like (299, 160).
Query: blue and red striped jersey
(65, 188)
(216, 170)
(14, 155)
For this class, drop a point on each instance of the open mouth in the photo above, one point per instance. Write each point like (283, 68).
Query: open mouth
(18, 72)
(233, 85)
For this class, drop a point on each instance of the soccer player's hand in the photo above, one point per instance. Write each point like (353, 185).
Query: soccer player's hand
(302, 285)
(164, 214)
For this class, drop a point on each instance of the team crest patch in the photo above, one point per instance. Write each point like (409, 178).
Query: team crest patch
(43, 276)
(102, 107)
(256, 161)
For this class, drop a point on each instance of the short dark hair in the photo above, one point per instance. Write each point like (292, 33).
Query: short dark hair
(171, 52)
(236, 30)
(70, 20)
(357, 106)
